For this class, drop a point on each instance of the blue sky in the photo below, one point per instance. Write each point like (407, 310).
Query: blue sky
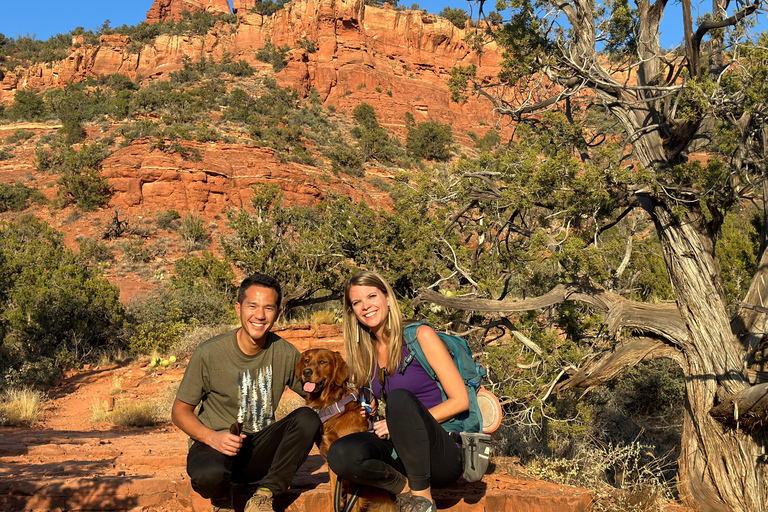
(44, 18)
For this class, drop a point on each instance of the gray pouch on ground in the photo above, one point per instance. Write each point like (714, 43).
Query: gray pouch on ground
(477, 450)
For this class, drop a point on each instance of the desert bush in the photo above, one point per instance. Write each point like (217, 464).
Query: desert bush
(372, 140)
(273, 55)
(430, 140)
(346, 159)
(18, 135)
(28, 105)
(95, 251)
(21, 406)
(80, 181)
(166, 220)
(154, 337)
(135, 252)
(269, 7)
(309, 45)
(194, 232)
(456, 16)
(18, 197)
(57, 310)
(626, 478)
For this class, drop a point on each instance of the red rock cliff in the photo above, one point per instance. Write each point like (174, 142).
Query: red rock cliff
(164, 10)
(397, 61)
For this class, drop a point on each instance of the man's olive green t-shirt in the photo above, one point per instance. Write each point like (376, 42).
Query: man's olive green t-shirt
(232, 386)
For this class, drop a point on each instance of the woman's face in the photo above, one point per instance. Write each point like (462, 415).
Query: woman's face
(370, 306)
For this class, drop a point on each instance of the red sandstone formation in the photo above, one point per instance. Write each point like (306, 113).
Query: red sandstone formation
(142, 176)
(171, 10)
(243, 6)
(397, 61)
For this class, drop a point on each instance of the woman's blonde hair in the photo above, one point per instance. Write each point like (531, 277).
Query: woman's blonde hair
(359, 349)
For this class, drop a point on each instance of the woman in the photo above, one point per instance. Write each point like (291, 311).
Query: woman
(424, 454)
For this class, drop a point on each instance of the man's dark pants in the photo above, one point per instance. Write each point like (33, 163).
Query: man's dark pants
(269, 457)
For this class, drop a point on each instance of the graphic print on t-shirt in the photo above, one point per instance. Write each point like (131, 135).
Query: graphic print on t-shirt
(255, 399)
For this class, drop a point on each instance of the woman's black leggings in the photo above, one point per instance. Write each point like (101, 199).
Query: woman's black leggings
(425, 452)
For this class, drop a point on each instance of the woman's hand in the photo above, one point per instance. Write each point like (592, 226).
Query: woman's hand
(373, 406)
(380, 429)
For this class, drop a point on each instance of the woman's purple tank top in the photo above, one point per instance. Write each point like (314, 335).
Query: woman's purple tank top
(414, 379)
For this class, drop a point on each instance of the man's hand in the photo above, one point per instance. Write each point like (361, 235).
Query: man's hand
(184, 417)
(226, 443)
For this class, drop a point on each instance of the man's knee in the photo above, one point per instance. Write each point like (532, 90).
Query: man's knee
(306, 422)
(209, 480)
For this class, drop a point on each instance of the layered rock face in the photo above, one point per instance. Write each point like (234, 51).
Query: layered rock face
(144, 177)
(164, 10)
(398, 61)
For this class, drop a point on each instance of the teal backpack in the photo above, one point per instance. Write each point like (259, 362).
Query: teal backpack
(471, 371)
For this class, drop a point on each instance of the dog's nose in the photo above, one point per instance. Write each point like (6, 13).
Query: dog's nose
(307, 373)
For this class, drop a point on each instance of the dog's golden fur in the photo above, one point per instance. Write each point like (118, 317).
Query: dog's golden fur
(327, 373)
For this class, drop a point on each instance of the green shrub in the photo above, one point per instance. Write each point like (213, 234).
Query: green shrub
(309, 45)
(135, 252)
(95, 251)
(269, 7)
(456, 16)
(430, 140)
(80, 180)
(272, 55)
(346, 159)
(193, 232)
(28, 105)
(57, 311)
(165, 220)
(372, 140)
(18, 135)
(18, 197)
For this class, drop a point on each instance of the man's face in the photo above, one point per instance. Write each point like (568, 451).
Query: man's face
(258, 312)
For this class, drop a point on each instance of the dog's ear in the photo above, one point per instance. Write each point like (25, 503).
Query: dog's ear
(342, 370)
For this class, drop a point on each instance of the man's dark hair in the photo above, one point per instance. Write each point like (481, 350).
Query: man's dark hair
(259, 280)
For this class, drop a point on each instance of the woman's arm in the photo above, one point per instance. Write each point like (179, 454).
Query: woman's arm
(440, 360)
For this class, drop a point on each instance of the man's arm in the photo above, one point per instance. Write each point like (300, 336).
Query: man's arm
(183, 416)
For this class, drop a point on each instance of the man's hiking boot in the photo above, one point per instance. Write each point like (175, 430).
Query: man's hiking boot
(260, 502)
(222, 505)
(407, 502)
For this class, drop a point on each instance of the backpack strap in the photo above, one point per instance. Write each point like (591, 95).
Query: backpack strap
(414, 349)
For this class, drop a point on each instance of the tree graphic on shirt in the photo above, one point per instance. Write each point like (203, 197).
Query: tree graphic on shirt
(256, 411)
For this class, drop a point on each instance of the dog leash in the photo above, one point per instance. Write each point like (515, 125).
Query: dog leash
(351, 500)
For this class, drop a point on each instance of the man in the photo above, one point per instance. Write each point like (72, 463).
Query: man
(238, 379)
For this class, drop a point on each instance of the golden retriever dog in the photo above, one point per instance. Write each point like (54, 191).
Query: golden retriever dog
(324, 375)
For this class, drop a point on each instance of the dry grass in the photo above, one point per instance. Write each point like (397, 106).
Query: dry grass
(315, 318)
(195, 337)
(117, 386)
(323, 317)
(625, 478)
(137, 413)
(21, 407)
